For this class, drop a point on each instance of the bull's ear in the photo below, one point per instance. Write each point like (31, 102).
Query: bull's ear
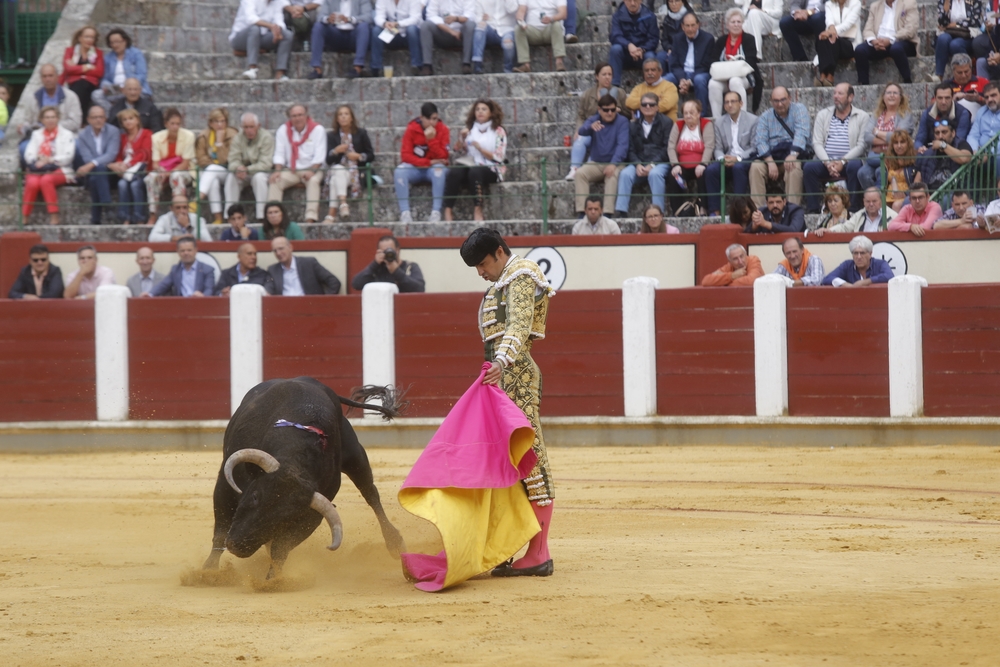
(262, 459)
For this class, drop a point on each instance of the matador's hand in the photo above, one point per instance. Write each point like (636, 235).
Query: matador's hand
(493, 375)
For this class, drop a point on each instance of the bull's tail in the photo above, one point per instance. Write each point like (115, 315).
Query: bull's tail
(391, 398)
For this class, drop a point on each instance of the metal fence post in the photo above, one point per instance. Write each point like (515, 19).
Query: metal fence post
(371, 196)
(545, 196)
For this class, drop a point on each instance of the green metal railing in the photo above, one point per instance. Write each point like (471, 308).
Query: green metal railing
(26, 27)
(978, 175)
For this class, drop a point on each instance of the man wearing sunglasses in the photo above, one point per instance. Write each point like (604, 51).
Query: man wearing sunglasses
(943, 108)
(647, 155)
(39, 279)
(608, 130)
(653, 82)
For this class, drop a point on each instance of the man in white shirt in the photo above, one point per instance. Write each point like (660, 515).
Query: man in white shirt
(299, 155)
(83, 283)
(594, 221)
(344, 26)
(734, 150)
(450, 24)
(399, 19)
(495, 24)
(260, 24)
(178, 223)
(540, 22)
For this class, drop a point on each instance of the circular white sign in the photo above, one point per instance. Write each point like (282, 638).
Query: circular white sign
(890, 252)
(551, 263)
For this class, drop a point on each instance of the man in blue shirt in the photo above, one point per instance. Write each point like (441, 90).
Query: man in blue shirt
(781, 136)
(634, 37)
(862, 270)
(188, 277)
(609, 144)
(987, 123)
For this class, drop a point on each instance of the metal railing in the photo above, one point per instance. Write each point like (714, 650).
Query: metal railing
(25, 27)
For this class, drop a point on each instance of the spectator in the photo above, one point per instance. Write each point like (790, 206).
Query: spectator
(805, 17)
(634, 37)
(387, 267)
(484, 140)
(691, 59)
(49, 156)
(450, 24)
(152, 118)
(609, 147)
(938, 167)
(890, 32)
(96, 148)
(837, 42)
(838, 142)
(963, 214)
(649, 137)
(173, 153)
(276, 223)
(836, 202)
(739, 210)
(83, 65)
(299, 155)
(238, 229)
(349, 156)
(892, 113)
(804, 268)
(300, 17)
(956, 20)
(588, 107)
(4, 111)
(778, 217)
(762, 17)
(540, 22)
(423, 158)
(987, 123)
(401, 19)
(178, 224)
(673, 18)
(594, 221)
(51, 94)
(298, 276)
(211, 151)
(652, 222)
(968, 89)
(495, 25)
(251, 154)
(867, 220)
(691, 148)
(135, 154)
(244, 271)
(653, 82)
(734, 151)
(919, 215)
(985, 50)
(188, 277)
(83, 283)
(39, 279)
(147, 277)
(943, 108)
(900, 170)
(729, 49)
(782, 136)
(122, 61)
(260, 25)
(741, 270)
(862, 269)
(341, 33)
(994, 206)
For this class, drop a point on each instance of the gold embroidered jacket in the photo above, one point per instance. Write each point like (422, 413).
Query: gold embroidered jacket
(514, 310)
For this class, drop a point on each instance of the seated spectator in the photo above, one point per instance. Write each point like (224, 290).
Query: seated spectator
(649, 137)
(890, 32)
(634, 37)
(276, 223)
(484, 140)
(495, 27)
(608, 149)
(954, 21)
(173, 155)
(653, 82)
(238, 229)
(178, 223)
(143, 282)
(892, 113)
(900, 170)
(260, 25)
(994, 206)
(691, 149)
(740, 210)
(152, 118)
(731, 48)
(211, 150)
(837, 41)
(868, 220)
(387, 267)
(948, 155)
(49, 156)
(251, 154)
(4, 111)
(740, 271)
(804, 268)
(122, 61)
(734, 150)
(135, 155)
(862, 269)
(424, 157)
(96, 148)
(943, 108)
(762, 17)
(673, 19)
(402, 19)
(968, 89)
(781, 136)
(778, 217)
(919, 215)
(349, 156)
(985, 50)
(805, 17)
(83, 283)
(299, 276)
(188, 277)
(341, 33)
(838, 142)
(653, 223)
(83, 66)
(51, 94)
(540, 22)
(691, 59)
(594, 221)
(987, 122)
(963, 214)
(39, 279)
(588, 107)
(299, 156)
(244, 271)
(449, 24)
(836, 201)
(300, 16)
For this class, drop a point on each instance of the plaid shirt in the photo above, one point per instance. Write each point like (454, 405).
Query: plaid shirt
(979, 209)
(770, 133)
(814, 271)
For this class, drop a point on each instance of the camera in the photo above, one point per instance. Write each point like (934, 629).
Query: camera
(389, 255)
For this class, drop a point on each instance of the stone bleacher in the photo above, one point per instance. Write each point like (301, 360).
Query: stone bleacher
(191, 66)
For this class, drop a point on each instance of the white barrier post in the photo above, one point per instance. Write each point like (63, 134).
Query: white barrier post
(770, 344)
(378, 336)
(639, 345)
(906, 352)
(246, 341)
(111, 348)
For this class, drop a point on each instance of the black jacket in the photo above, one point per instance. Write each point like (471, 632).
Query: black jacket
(152, 118)
(407, 277)
(52, 284)
(362, 145)
(793, 220)
(750, 55)
(704, 46)
(258, 276)
(645, 150)
(314, 277)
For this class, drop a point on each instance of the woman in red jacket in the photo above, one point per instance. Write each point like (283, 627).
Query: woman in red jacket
(423, 157)
(134, 158)
(83, 66)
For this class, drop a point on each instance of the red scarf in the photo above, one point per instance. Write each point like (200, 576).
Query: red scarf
(310, 126)
(48, 136)
(733, 48)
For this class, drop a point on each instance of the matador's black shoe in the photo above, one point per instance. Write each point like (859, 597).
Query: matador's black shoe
(507, 569)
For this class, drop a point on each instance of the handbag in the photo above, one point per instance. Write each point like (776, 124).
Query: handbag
(170, 163)
(956, 31)
(724, 70)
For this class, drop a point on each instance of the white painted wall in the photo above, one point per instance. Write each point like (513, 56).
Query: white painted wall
(246, 341)
(639, 345)
(111, 350)
(770, 338)
(906, 355)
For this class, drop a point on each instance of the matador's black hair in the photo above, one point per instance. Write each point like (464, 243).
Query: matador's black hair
(482, 242)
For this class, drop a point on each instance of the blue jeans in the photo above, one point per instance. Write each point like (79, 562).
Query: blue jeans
(791, 29)
(900, 52)
(620, 59)
(868, 174)
(578, 154)
(99, 186)
(657, 185)
(945, 47)
(410, 41)
(326, 37)
(406, 175)
(815, 175)
(132, 198)
(738, 175)
(490, 37)
(700, 82)
(569, 23)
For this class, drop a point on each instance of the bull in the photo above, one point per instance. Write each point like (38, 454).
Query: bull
(283, 454)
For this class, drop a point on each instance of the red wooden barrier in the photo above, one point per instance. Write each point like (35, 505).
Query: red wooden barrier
(961, 333)
(47, 360)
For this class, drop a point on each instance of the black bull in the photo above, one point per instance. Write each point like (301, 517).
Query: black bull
(284, 496)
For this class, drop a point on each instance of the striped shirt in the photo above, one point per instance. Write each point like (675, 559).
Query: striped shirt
(814, 271)
(838, 139)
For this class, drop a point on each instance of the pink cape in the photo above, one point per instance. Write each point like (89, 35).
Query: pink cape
(467, 483)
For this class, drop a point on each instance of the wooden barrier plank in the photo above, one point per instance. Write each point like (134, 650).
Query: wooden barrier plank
(960, 297)
(838, 406)
(959, 319)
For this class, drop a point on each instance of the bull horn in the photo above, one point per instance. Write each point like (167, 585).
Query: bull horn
(265, 461)
(329, 512)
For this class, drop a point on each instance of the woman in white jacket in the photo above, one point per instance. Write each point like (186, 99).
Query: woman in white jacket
(762, 18)
(50, 163)
(837, 42)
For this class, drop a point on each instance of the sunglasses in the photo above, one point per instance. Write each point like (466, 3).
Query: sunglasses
(940, 123)
(648, 105)
(39, 260)
(609, 109)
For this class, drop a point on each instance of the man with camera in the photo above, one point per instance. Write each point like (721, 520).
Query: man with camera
(389, 268)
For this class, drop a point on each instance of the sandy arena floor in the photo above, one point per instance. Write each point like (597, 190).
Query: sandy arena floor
(680, 556)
